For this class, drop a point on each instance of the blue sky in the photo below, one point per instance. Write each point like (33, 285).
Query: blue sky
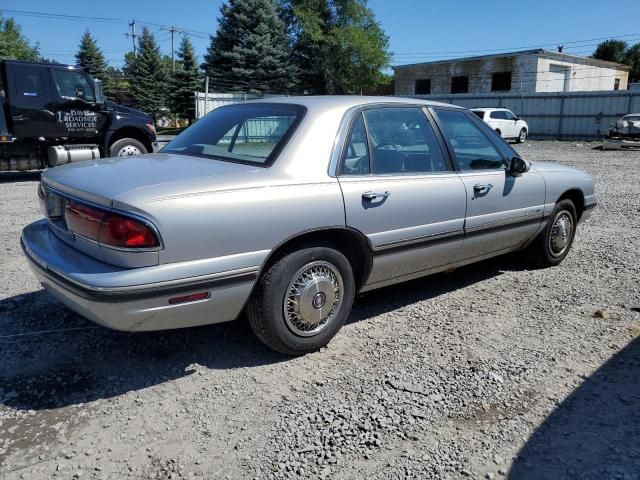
(419, 30)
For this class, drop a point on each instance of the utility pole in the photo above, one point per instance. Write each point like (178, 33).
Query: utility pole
(133, 36)
(173, 31)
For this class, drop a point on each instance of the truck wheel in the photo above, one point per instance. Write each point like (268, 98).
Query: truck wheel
(126, 147)
(302, 300)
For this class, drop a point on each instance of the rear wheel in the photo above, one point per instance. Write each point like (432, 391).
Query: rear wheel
(302, 300)
(553, 244)
(523, 135)
(498, 132)
(126, 147)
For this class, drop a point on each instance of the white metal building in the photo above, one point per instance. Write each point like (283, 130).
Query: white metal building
(528, 71)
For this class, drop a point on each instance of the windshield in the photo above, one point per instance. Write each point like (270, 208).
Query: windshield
(245, 133)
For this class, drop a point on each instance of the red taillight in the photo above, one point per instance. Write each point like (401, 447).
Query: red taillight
(120, 231)
(108, 228)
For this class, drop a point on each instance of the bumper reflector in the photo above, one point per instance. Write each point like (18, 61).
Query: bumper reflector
(194, 297)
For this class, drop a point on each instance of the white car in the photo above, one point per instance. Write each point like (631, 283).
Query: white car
(504, 122)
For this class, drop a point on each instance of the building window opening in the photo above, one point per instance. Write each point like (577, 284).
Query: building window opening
(501, 82)
(423, 86)
(460, 84)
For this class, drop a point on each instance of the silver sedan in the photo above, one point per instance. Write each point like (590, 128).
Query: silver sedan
(285, 209)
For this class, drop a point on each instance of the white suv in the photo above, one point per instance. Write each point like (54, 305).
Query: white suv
(504, 122)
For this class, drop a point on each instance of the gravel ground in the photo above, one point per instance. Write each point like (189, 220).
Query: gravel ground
(491, 371)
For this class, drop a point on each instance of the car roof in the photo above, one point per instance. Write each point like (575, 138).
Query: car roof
(487, 109)
(345, 102)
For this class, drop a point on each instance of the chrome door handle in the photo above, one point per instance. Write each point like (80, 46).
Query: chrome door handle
(479, 188)
(373, 195)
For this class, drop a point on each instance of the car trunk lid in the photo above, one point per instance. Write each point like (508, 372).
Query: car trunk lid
(102, 181)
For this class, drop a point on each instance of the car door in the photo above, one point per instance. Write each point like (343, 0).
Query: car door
(503, 211)
(32, 115)
(400, 191)
(498, 122)
(78, 115)
(511, 122)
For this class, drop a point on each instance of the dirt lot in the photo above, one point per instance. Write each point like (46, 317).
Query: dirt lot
(491, 371)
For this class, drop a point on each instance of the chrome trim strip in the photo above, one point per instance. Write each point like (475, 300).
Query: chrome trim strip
(421, 239)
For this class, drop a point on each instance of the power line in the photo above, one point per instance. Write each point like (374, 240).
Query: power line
(523, 47)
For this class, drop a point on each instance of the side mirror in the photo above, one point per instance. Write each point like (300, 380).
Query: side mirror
(518, 166)
(97, 87)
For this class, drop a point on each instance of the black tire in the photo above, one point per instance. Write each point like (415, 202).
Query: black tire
(118, 146)
(266, 308)
(522, 136)
(499, 132)
(541, 253)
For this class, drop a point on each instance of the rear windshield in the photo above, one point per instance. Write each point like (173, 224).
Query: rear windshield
(479, 113)
(245, 133)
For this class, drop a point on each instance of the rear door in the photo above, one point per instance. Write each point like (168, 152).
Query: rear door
(30, 101)
(77, 113)
(503, 211)
(400, 191)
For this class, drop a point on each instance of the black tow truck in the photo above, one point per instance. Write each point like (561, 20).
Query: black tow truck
(55, 114)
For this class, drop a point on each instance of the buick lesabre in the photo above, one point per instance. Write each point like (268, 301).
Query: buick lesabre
(286, 208)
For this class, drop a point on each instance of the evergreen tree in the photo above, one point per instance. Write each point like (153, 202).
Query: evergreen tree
(611, 50)
(632, 58)
(338, 45)
(148, 76)
(186, 81)
(13, 44)
(250, 51)
(89, 55)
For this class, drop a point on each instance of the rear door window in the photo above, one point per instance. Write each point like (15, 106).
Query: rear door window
(403, 141)
(30, 86)
(356, 154)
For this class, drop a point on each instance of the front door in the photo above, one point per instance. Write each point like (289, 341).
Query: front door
(400, 191)
(77, 113)
(503, 211)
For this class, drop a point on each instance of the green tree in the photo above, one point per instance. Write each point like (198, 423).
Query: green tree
(13, 43)
(89, 55)
(250, 51)
(632, 58)
(147, 75)
(611, 50)
(339, 47)
(186, 80)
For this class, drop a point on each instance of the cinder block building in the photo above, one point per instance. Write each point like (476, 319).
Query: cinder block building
(527, 71)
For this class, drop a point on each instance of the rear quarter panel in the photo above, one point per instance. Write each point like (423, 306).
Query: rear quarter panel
(243, 225)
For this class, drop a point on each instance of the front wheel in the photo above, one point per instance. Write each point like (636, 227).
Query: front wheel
(554, 242)
(523, 135)
(126, 147)
(302, 300)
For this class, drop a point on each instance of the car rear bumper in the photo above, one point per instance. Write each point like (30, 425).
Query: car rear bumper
(139, 307)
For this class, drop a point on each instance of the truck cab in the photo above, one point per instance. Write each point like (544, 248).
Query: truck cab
(55, 114)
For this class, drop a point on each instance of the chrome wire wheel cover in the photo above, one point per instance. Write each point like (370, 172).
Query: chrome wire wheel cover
(523, 135)
(128, 151)
(313, 298)
(561, 233)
